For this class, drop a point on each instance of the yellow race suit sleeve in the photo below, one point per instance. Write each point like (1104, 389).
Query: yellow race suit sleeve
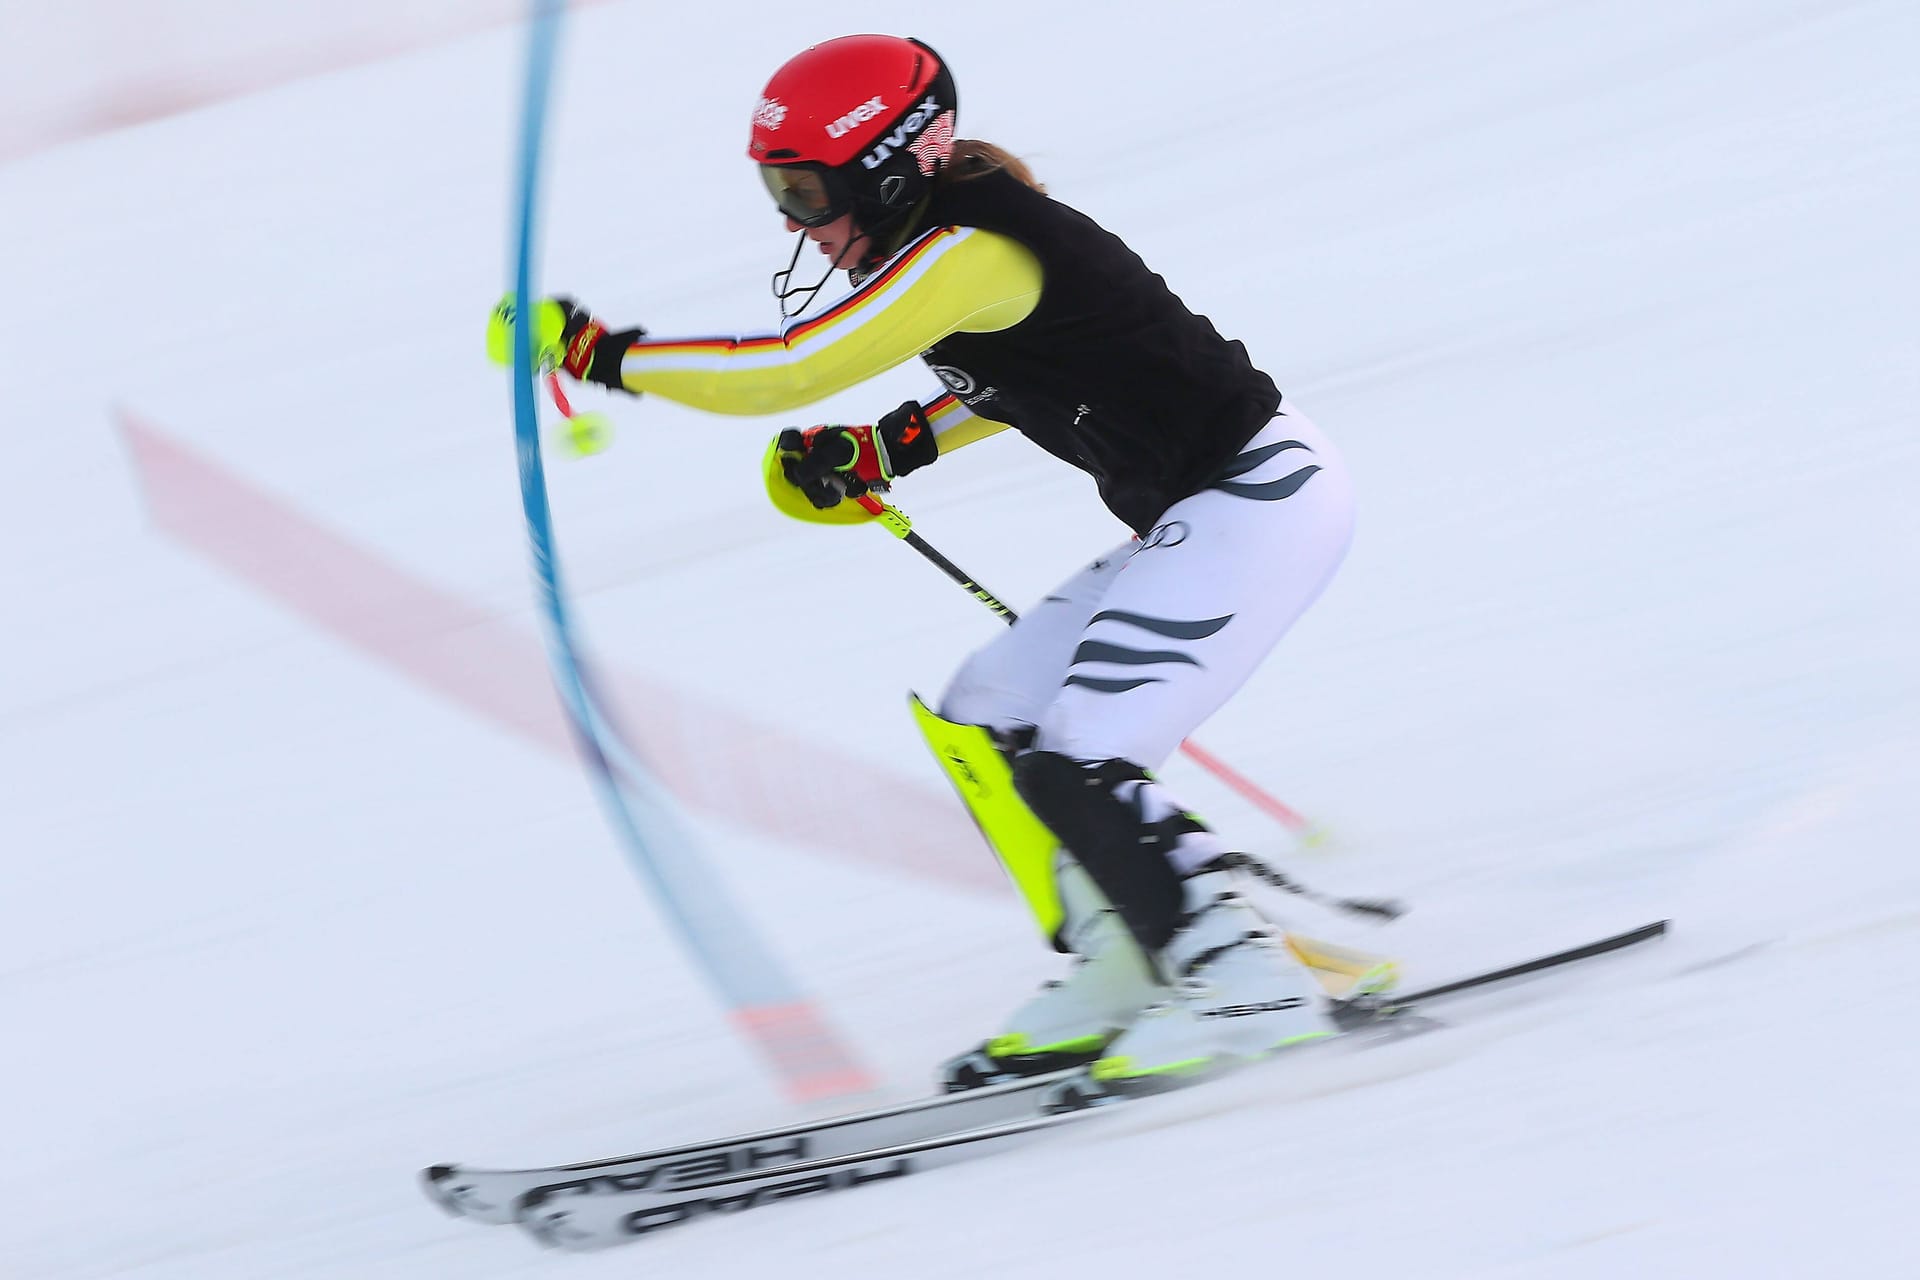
(950, 280)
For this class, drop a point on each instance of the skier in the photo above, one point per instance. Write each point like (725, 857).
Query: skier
(1035, 318)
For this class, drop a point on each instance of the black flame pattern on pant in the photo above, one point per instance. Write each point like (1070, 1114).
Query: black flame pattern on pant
(1121, 655)
(1269, 491)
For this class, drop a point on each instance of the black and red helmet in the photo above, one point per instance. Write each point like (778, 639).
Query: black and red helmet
(860, 125)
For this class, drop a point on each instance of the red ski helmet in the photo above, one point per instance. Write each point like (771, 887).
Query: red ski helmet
(860, 125)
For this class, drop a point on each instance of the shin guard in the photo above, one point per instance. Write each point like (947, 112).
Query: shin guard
(981, 773)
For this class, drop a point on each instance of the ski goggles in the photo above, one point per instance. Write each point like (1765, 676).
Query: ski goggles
(811, 196)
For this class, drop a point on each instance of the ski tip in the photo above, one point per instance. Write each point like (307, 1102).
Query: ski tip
(434, 1180)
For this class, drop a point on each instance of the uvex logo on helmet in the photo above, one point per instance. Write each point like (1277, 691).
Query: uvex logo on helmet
(914, 123)
(859, 115)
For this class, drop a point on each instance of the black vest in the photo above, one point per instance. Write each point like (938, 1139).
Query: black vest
(1111, 372)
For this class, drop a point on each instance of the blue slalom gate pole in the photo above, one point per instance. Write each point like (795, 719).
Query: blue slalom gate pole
(761, 999)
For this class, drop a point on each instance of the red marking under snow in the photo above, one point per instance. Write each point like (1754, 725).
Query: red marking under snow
(166, 78)
(803, 1051)
(712, 758)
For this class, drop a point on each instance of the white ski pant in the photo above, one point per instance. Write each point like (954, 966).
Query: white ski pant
(1134, 651)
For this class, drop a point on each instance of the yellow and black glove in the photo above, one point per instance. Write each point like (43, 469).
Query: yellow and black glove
(566, 336)
(831, 463)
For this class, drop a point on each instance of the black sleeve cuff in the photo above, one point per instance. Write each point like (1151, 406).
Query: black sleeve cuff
(909, 438)
(607, 355)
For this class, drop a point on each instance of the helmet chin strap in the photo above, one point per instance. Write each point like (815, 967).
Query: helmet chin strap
(784, 290)
(783, 286)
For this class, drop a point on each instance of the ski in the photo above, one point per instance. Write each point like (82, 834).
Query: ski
(606, 1202)
(589, 1214)
(493, 1195)
(980, 1093)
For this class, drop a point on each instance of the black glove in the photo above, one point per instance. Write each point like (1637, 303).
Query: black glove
(588, 351)
(830, 463)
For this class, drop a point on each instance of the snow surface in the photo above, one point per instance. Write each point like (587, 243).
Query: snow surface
(1611, 307)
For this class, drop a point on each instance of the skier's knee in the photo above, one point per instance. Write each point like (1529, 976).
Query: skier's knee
(985, 691)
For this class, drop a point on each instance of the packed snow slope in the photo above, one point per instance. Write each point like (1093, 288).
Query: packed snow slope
(1611, 306)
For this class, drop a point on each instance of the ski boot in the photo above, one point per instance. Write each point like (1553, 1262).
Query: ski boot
(1069, 1021)
(1233, 988)
(1238, 992)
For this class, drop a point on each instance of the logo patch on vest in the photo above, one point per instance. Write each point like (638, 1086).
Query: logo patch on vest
(959, 381)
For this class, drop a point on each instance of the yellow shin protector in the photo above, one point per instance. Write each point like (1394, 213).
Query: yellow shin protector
(984, 779)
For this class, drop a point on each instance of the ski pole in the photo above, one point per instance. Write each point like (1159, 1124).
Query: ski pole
(895, 521)
(1381, 908)
(584, 433)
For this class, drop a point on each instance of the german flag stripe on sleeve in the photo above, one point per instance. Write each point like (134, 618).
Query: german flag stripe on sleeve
(955, 425)
(951, 279)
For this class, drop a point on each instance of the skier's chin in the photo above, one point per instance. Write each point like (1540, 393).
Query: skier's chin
(843, 253)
